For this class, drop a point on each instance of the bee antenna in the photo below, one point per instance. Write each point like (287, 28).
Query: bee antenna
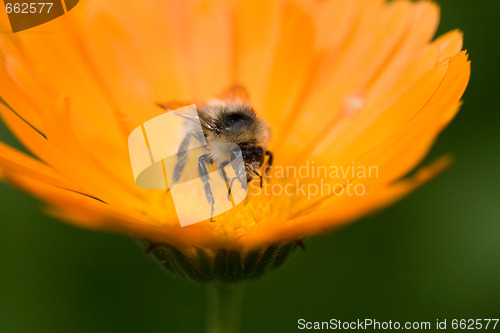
(258, 175)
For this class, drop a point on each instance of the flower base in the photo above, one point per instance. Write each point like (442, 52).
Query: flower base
(226, 266)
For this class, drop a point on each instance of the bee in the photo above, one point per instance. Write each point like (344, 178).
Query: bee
(229, 118)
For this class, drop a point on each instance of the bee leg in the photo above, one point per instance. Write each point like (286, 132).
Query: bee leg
(231, 185)
(182, 155)
(223, 172)
(224, 176)
(239, 169)
(202, 170)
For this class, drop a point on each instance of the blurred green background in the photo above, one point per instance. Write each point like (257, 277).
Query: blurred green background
(434, 255)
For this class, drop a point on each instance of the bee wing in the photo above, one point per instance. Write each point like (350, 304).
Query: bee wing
(173, 105)
(236, 92)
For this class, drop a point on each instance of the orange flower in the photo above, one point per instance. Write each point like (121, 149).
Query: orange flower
(341, 83)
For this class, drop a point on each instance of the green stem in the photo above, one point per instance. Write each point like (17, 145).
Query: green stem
(224, 307)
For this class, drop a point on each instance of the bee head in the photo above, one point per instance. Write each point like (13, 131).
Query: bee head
(253, 157)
